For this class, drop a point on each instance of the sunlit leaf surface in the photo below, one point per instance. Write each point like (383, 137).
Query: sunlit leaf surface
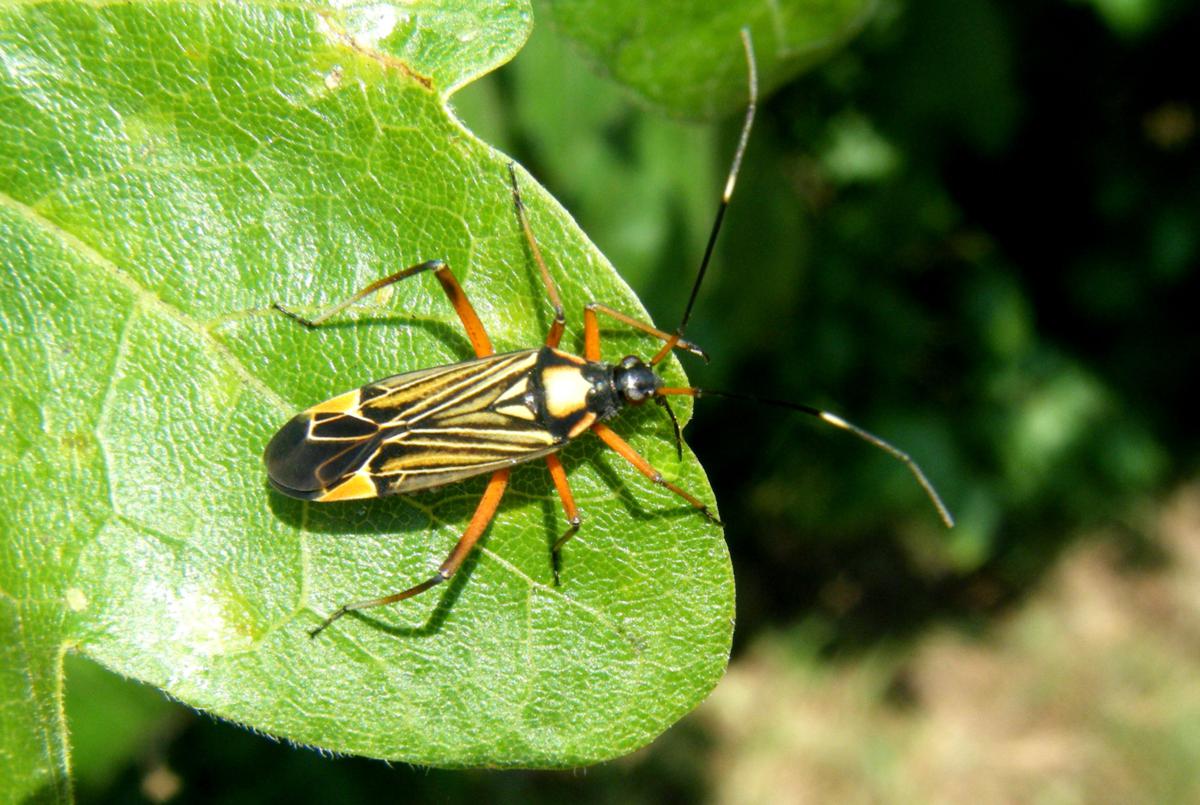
(171, 169)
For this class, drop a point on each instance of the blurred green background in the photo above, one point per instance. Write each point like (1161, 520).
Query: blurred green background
(974, 231)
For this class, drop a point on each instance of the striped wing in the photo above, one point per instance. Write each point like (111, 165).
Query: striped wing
(413, 431)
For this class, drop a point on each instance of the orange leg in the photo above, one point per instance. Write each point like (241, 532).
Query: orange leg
(560, 316)
(591, 327)
(479, 521)
(559, 476)
(462, 305)
(626, 452)
(591, 332)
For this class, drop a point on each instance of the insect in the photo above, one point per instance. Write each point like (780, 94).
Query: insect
(432, 427)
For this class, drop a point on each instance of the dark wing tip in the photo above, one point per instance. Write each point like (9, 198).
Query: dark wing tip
(301, 466)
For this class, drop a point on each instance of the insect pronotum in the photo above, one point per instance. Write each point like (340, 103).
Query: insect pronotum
(432, 427)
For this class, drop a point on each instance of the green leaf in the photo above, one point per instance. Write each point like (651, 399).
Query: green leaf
(112, 721)
(175, 168)
(643, 185)
(686, 57)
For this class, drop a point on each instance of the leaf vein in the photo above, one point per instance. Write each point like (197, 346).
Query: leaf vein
(142, 294)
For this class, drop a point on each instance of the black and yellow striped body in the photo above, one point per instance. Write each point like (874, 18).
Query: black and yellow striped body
(436, 426)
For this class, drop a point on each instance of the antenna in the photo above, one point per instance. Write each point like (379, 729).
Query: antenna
(837, 422)
(675, 339)
(729, 183)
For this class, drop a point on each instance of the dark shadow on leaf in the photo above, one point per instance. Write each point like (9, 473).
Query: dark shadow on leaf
(450, 592)
(388, 515)
(393, 515)
(629, 497)
(554, 523)
(451, 335)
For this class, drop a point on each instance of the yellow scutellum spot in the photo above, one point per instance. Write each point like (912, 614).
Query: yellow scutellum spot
(566, 390)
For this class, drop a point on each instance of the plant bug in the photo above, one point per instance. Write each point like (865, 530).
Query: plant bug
(432, 427)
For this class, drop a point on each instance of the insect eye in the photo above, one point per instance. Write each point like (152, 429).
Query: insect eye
(637, 383)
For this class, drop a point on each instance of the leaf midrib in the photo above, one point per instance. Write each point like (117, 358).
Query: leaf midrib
(144, 296)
